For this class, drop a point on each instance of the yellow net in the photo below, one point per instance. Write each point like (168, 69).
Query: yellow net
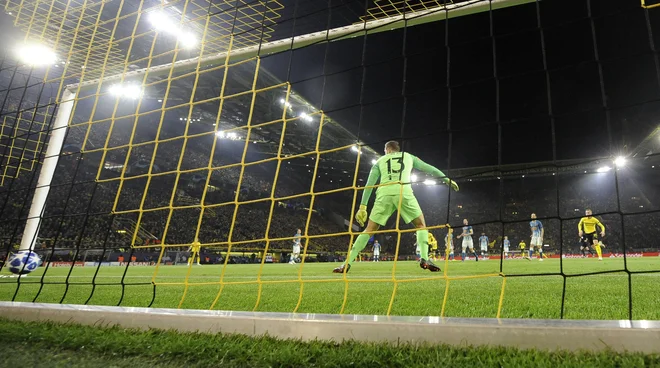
(22, 139)
(94, 38)
(391, 8)
(149, 135)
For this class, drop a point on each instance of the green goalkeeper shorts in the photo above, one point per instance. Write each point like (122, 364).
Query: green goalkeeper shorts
(386, 205)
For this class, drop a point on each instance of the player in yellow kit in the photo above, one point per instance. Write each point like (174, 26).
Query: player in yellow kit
(194, 252)
(587, 232)
(599, 251)
(433, 247)
(522, 246)
(394, 193)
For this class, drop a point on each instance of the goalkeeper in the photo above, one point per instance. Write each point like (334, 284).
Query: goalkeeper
(394, 170)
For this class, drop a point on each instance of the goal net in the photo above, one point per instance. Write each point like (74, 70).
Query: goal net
(175, 153)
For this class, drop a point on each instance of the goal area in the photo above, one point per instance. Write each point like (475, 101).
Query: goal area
(164, 158)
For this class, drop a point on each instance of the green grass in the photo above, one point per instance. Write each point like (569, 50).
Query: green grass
(587, 297)
(33, 344)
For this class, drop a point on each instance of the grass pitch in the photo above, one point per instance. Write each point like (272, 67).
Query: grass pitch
(55, 345)
(369, 288)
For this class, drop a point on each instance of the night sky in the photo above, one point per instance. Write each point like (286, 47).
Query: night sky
(494, 103)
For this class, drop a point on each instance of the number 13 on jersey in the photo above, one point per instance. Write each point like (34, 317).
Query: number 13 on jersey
(394, 170)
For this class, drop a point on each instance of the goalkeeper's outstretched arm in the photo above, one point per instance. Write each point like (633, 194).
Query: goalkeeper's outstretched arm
(429, 169)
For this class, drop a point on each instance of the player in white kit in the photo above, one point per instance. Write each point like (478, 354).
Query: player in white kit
(537, 237)
(376, 251)
(507, 244)
(467, 240)
(295, 253)
(449, 245)
(483, 244)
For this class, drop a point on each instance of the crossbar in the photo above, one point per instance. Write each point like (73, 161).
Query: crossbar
(335, 34)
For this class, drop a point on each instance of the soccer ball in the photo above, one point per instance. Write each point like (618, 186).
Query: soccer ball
(23, 262)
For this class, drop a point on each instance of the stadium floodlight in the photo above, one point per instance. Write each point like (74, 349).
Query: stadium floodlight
(413, 178)
(620, 161)
(130, 91)
(187, 39)
(285, 103)
(162, 23)
(603, 169)
(305, 117)
(429, 182)
(36, 54)
(355, 148)
(373, 161)
(220, 134)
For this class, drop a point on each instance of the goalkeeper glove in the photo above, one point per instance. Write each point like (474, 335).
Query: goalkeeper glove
(452, 184)
(361, 215)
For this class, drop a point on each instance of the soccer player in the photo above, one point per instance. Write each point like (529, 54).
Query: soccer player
(395, 189)
(522, 246)
(295, 254)
(194, 252)
(599, 251)
(449, 244)
(483, 244)
(467, 240)
(587, 232)
(537, 237)
(376, 251)
(507, 243)
(433, 247)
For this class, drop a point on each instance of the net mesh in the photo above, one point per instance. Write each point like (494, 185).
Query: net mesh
(178, 153)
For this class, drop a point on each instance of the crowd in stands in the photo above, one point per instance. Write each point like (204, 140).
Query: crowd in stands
(80, 215)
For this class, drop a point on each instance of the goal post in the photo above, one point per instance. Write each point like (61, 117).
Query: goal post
(55, 143)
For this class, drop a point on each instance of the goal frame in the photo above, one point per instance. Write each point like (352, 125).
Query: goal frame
(71, 91)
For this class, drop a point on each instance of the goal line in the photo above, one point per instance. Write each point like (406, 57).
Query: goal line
(572, 335)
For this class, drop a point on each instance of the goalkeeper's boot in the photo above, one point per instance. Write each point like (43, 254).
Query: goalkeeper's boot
(428, 265)
(340, 269)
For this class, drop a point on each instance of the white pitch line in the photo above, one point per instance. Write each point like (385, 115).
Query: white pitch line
(285, 277)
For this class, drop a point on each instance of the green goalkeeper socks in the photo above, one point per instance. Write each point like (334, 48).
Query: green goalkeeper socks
(423, 242)
(358, 246)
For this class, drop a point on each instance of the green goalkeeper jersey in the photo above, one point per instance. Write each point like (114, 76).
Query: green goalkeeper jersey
(394, 171)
